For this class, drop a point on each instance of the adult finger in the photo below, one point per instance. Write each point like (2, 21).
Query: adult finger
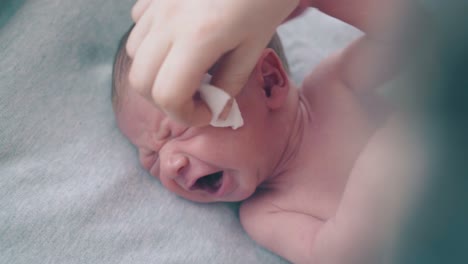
(179, 78)
(148, 60)
(139, 9)
(138, 34)
(235, 68)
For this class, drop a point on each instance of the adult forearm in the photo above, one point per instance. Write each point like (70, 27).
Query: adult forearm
(374, 17)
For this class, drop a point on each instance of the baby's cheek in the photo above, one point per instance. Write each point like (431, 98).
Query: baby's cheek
(244, 192)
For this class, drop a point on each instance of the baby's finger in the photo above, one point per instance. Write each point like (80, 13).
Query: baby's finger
(139, 8)
(139, 32)
(148, 60)
(178, 80)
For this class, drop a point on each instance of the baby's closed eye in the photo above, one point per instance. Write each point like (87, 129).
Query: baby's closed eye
(169, 129)
(163, 133)
(147, 157)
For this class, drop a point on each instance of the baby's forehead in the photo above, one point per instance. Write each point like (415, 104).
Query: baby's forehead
(136, 116)
(132, 100)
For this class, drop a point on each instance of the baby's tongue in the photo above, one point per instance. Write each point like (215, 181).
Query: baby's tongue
(210, 183)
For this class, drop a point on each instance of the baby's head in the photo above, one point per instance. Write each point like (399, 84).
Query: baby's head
(208, 164)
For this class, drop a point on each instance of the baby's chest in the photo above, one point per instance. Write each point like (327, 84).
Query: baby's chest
(314, 192)
(332, 142)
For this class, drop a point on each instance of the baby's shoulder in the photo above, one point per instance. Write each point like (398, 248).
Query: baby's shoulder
(287, 193)
(267, 205)
(265, 199)
(324, 83)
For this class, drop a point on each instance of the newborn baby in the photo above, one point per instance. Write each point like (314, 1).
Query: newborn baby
(292, 160)
(212, 164)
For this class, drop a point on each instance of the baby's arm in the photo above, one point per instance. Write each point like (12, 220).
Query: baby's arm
(287, 233)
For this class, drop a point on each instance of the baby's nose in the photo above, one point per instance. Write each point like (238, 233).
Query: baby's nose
(176, 164)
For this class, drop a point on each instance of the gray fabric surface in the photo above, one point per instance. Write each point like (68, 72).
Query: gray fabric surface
(71, 188)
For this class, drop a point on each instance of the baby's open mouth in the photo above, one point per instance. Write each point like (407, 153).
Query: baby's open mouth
(210, 183)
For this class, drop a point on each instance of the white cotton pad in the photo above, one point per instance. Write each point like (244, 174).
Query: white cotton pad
(216, 99)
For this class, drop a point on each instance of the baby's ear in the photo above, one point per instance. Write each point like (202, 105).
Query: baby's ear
(274, 79)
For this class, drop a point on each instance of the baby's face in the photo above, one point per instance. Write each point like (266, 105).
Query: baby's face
(201, 164)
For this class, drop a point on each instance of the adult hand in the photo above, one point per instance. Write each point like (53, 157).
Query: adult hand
(175, 43)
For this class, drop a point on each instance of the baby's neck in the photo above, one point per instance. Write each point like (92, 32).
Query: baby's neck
(298, 113)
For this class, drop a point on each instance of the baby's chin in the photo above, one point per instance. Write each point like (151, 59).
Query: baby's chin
(237, 195)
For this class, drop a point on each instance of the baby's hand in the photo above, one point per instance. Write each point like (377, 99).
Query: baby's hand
(175, 43)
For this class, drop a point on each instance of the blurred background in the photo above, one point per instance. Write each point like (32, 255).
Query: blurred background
(437, 86)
